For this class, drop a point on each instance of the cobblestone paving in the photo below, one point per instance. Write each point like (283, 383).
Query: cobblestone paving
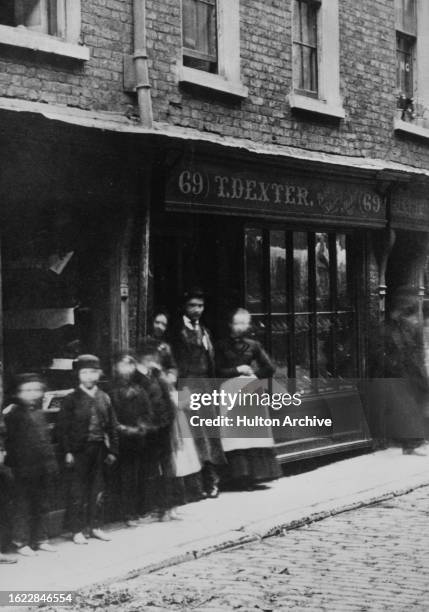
(374, 558)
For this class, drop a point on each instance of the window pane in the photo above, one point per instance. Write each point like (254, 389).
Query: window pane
(325, 367)
(345, 346)
(200, 34)
(278, 271)
(308, 78)
(206, 28)
(344, 289)
(189, 24)
(254, 270)
(323, 293)
(31, 14)
(305, 23)
(279, 324)
(404, 64)
(302, 352)
(300, 271)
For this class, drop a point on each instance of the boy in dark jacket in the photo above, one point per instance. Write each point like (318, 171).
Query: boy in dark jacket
(157, 454)
(30, 455)
(133, 412)
(89, 439)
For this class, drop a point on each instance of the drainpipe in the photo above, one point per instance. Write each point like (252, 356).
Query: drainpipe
(140, 64)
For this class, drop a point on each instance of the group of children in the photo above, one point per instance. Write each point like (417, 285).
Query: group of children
(137, 429)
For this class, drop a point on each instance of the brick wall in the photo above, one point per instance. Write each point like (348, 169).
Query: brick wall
(97, 84)
(367, 44)
(368, 82)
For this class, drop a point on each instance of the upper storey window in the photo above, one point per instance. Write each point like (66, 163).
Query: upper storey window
(210, 55)
(316, 58)
(406, 38)
(200, 34)
(305, 41)
(44, 16)
(50, 26)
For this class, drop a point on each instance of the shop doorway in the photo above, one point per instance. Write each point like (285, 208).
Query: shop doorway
(196, 250)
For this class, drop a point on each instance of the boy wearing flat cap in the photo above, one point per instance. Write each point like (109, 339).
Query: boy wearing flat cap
(31, 457)
(88, 430)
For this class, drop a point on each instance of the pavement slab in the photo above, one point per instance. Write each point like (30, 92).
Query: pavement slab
(233, 519)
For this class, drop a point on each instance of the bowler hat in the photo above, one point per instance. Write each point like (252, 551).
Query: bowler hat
(84, 362)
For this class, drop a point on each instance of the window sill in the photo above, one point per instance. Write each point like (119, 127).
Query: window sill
(21, 37)
(314, 105)
(407, 127)
(212, 81)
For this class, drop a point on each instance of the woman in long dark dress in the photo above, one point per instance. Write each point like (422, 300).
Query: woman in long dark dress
(407, 385)
(241, 360)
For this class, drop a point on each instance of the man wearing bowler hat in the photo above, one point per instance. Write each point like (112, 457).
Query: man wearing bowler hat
(89, 437)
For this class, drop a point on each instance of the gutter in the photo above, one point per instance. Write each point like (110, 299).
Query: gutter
(143, 87)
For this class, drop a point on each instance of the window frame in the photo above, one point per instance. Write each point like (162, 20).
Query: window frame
(314, 4)
(227, 80)
(194, 53)
(419, 125)
(409, 36)
(334, 313)
(327, 101)
(68, 44)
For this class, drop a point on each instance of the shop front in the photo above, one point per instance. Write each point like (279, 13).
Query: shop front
(67, 198)
(290, 245)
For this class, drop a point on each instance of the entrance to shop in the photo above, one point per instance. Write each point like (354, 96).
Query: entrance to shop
(197, 250)
(301, 289)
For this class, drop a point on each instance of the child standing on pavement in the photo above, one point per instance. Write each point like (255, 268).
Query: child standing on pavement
(89, 441)
(30, 455)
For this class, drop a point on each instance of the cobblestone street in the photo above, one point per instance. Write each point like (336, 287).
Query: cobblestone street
(374, 558)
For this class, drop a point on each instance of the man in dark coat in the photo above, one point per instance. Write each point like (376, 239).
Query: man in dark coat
(6, 483)
(406, 387)
(194, 353)
(89, 439)
(30, 455)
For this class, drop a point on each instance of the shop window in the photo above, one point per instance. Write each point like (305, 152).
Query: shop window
(406, 35)
(200, 34)
(305, 46)
(299, 288)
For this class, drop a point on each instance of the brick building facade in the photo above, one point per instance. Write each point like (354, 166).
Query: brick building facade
(351, 167)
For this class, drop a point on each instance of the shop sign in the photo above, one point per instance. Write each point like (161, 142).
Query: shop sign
(409, 209)
(214, 189)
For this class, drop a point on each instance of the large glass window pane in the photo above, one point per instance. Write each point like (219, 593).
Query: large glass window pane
(302, 353)
(279, 323)
(322, 261)
(344, 289)
(300, 271)
(345, 346)
(325, 366)
(254, 271)
(278, 271)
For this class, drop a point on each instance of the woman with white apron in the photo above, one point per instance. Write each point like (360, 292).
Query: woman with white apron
(245, 365)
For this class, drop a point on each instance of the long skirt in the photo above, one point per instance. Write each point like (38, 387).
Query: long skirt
(249, 449)
(404, 411)
(207, 439)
